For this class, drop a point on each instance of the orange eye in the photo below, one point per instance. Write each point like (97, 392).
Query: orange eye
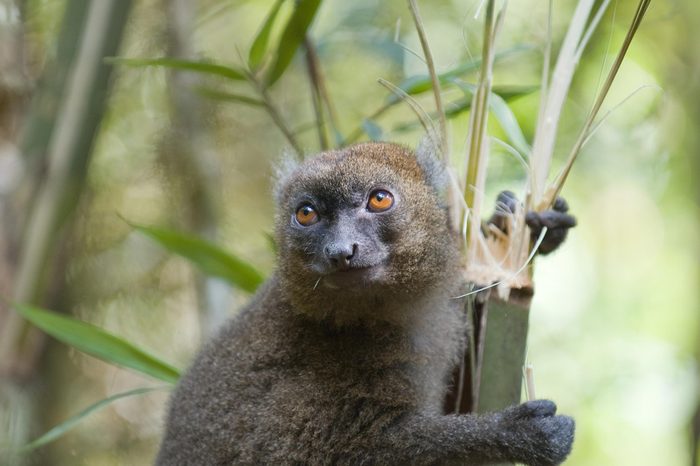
(306, 215)
(380, 200)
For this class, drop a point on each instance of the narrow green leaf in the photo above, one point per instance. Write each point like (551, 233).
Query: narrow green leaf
(459, 106)
(504, 115)
(71, 422)
(292, 36)
(422, 83)
(209, 258)
(194, 66)
(229, 97)
(257, 50)
(98, 343)
(506, 118)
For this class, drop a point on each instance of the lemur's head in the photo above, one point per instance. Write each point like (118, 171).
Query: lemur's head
(362, 225)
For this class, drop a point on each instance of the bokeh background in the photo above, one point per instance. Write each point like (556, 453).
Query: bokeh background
(615, 327)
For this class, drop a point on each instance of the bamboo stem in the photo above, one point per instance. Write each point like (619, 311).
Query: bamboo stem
(68, 152)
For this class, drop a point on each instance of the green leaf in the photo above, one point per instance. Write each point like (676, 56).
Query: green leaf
(257, 50)
(71, 422)
(510, 124)
(209, 258)
(422, 83)
(98, 343)
(459, 106)
(504, 115)
(292, 37)
(229, 97)
(194, 66)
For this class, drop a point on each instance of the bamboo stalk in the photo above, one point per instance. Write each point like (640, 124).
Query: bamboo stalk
(67, 128)
(68, 155)
(503, 355)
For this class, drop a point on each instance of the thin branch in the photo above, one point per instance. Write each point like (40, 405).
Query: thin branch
(276, 115)
(323, 91)
(413, 6)
(313, 72)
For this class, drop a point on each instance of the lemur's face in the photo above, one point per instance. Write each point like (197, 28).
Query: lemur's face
(346, 235)
(362, 218)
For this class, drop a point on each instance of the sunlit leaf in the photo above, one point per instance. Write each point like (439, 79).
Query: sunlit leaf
(229, 97)
(257, 50)
(292, 37)
(98, 343)
(194, 66)
(71, 422)
(209, 258)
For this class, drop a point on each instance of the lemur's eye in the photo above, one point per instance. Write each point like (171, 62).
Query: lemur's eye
(380, 200)
(306, 215)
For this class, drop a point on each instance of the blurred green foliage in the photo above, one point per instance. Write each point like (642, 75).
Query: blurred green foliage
(615, 322)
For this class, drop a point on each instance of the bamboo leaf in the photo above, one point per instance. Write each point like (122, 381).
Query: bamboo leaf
(459, 106)
(504, 115)
(98, 343)
(257, 50)
(194, 66)
(509, 123)
(68, 424)
(209, 258)
(229, 97)
(292, 37)
(422, 83)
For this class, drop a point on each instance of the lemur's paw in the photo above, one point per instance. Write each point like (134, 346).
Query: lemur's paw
(536, 434)
(558, 222)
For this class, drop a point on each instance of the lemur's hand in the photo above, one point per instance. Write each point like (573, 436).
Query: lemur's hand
(557, 220)
(536, 434)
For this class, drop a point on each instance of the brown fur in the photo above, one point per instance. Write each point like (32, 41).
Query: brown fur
(311, 373)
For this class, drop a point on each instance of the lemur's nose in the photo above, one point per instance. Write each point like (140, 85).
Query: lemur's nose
(340, 255)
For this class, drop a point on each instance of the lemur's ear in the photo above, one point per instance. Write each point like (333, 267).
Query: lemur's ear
(433, 169)
(282, 170)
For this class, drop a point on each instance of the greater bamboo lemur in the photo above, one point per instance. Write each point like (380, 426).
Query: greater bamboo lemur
(343, 356)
